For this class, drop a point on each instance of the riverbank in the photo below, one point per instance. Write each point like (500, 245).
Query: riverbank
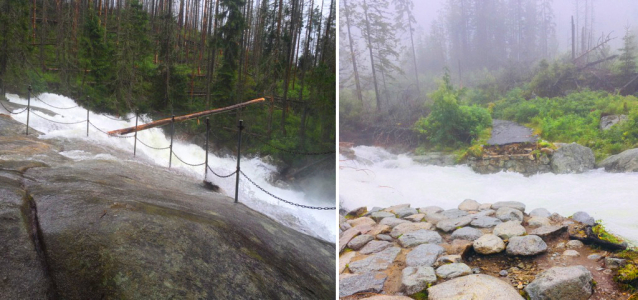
(494, 251)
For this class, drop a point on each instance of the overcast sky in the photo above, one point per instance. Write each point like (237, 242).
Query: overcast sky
(610, 15)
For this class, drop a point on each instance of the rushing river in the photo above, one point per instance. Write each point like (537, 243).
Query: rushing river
(379, 178)
(319, 223)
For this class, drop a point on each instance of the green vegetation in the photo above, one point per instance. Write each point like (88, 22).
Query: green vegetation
(602, 233)
(422, 295)
(180, 57)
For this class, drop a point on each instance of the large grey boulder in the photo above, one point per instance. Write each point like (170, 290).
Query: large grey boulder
(415, 279)
(448, 225)
(392, 222)
(424, 255)
(549, 231)
(509, 229)
(572, 158)
(584, 218)
(419, 237)
(430, 210)
(606, 122)
(540, 212)
(626, 161)
(454, 213)
(453, 270)
(469, 205)
(404, 228)
(526, 245)
(561, 283)
(406, 211)
(538, 222)
(379, 215)
(361, 283)
(513, 204)
(374, 247)
(377, 262)
(359, 241)
(489, 244)
(509, 214)
(466, 233)
(477, 286)
(485, 222)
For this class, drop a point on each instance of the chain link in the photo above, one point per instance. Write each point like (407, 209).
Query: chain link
(64, 123)
(13, 112)
(152, 146)
(117, 136)
(286, 201)
(55, 106)
(192, 165)
(222, 176)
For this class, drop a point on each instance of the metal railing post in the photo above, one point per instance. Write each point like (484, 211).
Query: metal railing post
(28, 108)
(241, 127)
(206, 161)
(135, 141)
(170, 158)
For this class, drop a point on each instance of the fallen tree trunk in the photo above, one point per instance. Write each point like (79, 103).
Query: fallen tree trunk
(183, 118)
(592, 238)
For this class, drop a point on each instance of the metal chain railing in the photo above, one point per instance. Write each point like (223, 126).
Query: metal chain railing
(5, 108)
(64, 123)
(164, 148)
(192, 165)
(53, 105)
(117, 136)
(221, 176)
(283, 200)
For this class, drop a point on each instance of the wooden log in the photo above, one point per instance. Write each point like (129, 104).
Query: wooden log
(184, 117)
(592, 238)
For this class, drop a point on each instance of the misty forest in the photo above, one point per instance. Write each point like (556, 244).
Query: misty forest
(173, 57)
(439, 85)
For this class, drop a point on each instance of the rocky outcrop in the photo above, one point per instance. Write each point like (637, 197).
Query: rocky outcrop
(122, 229)
(626, 161)
(572, 158)
(558, 283)
(361, 283)
(606, 122)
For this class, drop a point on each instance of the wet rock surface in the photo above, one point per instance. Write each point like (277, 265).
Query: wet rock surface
(121, 229)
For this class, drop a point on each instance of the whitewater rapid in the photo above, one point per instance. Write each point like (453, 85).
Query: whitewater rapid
(318, 223)
(379, 178)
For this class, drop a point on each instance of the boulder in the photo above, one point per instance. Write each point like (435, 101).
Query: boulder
(448, 225)
(406, 211)
(359, 241)
(484, 213)
(614, 263)
(571, 253)
(379, 215)
(454, 213)
(419, 237)
(466, 233)
(357, 212)
(562, 283)
(477, 286)
(485, 206)
(549, 231)
(415, 218)
(346, 236)
(606, 122)
(540, 212)
(375, 246)
(584, 218)
(449, 259)
(509, 229)
(526, 245)
(572, 158)
(415, 279)
(469, 205)
(626, 161)
(404, 228)
(392, 222)
(509, 214)
(485, 222)
(361, 221)
(489, 244)
(435, 218)
(395, 208)
(430, 210)
(371, 282)
(513, 204)
(574, 244)
(384, 237)
(538, 222)
(378, 229)
(453, 270)
(377, 262)
(424, 255)
(345, 259)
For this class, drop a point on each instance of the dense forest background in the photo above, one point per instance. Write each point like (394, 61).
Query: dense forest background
(166, 57)
(439, 87)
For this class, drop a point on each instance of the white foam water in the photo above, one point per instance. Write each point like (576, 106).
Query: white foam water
(319, 223)
(379, 178)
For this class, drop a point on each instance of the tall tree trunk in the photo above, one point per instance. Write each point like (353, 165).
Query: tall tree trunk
(352, 56)
(374, 73)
